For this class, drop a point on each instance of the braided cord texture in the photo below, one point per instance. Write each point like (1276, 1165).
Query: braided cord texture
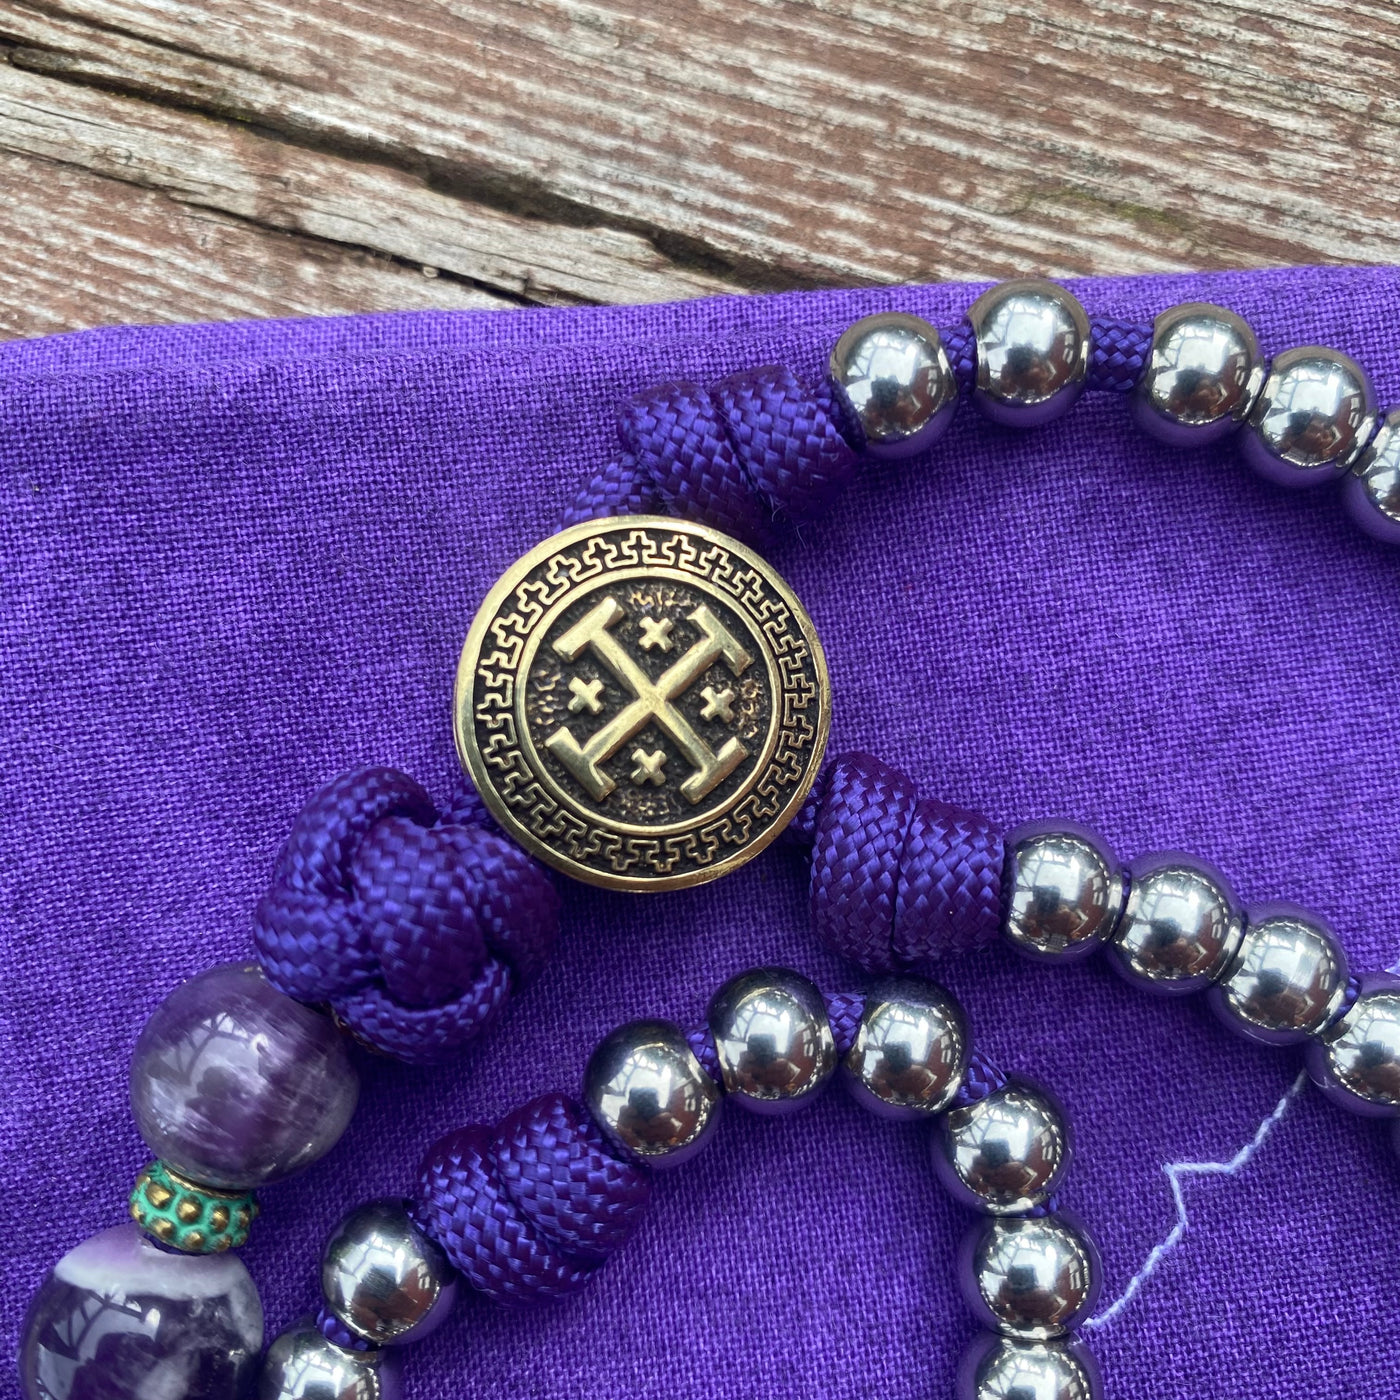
(898, 881)
(756, 451)
(1118, 352)
(413, 927)
(983, 1077)
(532, 1210)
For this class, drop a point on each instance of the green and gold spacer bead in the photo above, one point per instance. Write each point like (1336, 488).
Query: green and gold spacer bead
(190, 1217)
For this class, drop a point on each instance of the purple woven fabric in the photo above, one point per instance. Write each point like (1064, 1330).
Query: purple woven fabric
(411, 927)
(235, 560)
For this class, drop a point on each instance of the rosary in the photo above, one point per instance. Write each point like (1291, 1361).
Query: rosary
(643, 704)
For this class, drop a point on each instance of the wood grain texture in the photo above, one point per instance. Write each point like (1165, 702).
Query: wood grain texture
(591, 150)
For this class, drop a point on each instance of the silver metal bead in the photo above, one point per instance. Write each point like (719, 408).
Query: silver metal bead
(303, 1365)
(1314, 416)
(1356, 1061)
(384, 1278)
(1287, 980)
(1032, 351)
(1002, 1368)
(1181, 925)
(776, 1050)
(650, 1095)
(1202, 377)
(1028, 1277)
(1004, 1154)
(1064, 890)
(894, 374)
(1372, 491)
(910, 1050)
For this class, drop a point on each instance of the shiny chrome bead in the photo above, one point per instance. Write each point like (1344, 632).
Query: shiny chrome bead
(1001, 1368)
(893, 374)
(1202, 377)
(650, 1095)
(1032, 1278)
(1063, 889)
(910, 1050)
(1181, 926)
(776, 1050)
(384, 1278)
(1313, 418)
(1372, 491)
(1032, 351)
(1356, 1061)
(303, 1365)
(1004, 1154)
(1287, 980)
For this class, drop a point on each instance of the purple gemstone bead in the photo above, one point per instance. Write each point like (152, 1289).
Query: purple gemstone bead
(235, 1085)
(1356, 1060)
(119, 1319)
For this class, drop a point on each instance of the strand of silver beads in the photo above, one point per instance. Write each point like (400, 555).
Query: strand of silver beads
(1001, 1146)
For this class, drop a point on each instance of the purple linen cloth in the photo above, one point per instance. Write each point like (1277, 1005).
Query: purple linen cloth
(235, 560)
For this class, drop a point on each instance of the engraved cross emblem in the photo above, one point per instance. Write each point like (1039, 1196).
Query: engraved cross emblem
(654, 702)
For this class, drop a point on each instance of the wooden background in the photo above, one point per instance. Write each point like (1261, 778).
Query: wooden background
(162, 160)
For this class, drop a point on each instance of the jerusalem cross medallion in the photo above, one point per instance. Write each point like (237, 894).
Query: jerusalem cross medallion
(642, 703)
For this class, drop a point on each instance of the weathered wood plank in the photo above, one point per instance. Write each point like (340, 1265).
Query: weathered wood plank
(80, 250)
(823, 141)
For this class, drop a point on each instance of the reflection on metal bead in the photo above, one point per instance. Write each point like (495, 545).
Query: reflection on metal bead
(1063, 889)
(1314, 415)
(910, 1051)
(1032, 351)
(1202, 377)
(775, 1046)
(1005, 1153)
(303, 1365)
(893, 373)
(1372, 491)
(1181, 926)
(1032, 1278)
(1356, 1061)
(1001, 1368)
(1286, 982)
(650, 1095)
(384, 1278)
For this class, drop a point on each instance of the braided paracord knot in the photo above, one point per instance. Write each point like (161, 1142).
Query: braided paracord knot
(413, 926)
(898, 881)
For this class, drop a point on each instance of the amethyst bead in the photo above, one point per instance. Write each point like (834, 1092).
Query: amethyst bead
(119, 1319)
(235, 1085)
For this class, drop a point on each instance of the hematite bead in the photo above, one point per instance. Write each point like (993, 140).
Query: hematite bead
(650, 1095)
(1202, 377)
(235, 1085)
(1000, 1368)
(1032, 351)
(1356, 1061)
(892, 373)
(1287, 980)
(1181, 926)
(776, 1050)
(1314, 415)
(1005, 1153)
(304, 1365)
(384, 1278)
(1032, 1278)
(1372, 491)
(118, 1319)
(910, 1050)
(190, 1217)
(1063, 889)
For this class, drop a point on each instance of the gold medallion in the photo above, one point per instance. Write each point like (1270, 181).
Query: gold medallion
(642, 703)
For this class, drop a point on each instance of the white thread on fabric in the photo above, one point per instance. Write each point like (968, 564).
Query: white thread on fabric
(1175, 1172)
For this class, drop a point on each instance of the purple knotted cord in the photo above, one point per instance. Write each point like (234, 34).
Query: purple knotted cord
(898, 881)
(960, 345)
(1118, 352)
(414, 927)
